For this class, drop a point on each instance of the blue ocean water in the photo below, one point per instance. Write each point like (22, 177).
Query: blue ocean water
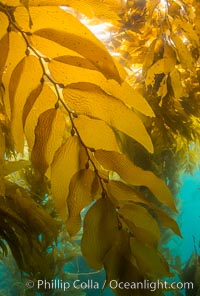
(189, 223)
(188, 220)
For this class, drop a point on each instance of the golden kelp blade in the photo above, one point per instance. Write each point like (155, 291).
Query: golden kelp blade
(67, 73)
(168, 221)
(4, 24)
(135, 175)
(188, 30)
(88, 73)
(14, 3)
(71, 64)
(176, 83)
(112, 3)
(4, 48)
(25, 3)
(19, 90)
(164, 65)
(65, 164)
(100, 231)
(149, 261)
(38, 102)
(128, 95)
(15, 55)
(149, 58)
(104, 10)
(77, 61)
(59, 26)
(183, 53)
(141, 218)
(90, 100)
(30, 102)
(48, 138)
(51, 49)
(96, 133)
(97, 55)
(115, 259)
(122, 193)
(80, 196)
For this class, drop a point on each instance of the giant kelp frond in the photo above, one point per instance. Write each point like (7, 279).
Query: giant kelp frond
(68, 97)
(159, 41)
(27, 229)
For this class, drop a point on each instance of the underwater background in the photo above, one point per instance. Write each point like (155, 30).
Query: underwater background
(180, 250)
(111, 113)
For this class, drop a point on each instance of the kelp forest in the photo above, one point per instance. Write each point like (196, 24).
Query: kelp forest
(99, 119)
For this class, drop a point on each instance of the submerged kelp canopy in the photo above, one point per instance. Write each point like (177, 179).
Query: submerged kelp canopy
(97, 128)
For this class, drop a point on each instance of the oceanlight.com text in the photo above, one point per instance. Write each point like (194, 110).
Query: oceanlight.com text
(113, 284)
(151, 285)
